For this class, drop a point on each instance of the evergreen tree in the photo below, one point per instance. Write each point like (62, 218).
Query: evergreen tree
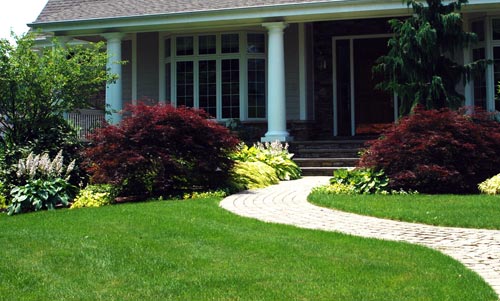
(419, 66)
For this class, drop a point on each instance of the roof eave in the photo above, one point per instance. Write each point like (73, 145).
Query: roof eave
(300, 12)
(303, 12)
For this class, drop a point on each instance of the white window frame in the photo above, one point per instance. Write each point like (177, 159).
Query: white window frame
(243, 56)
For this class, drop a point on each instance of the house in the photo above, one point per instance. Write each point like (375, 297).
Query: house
(295, 67)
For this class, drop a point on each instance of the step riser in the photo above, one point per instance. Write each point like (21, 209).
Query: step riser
(326, 155)
(317, 173)
(301, 145)
(328, 147)
(343, 163)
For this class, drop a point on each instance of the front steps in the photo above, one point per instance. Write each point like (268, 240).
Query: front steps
(321, 158)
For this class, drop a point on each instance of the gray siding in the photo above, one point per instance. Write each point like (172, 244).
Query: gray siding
(292, 85)
(147, 66)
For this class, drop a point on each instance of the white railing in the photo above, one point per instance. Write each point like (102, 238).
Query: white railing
(86, 120)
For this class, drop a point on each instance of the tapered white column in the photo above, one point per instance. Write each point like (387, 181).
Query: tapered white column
(114, 99)
(276, 104)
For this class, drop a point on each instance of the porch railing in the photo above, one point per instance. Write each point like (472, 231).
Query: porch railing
(86, 120)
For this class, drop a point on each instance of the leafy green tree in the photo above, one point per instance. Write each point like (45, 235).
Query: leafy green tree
(419, 66)
(37, 86)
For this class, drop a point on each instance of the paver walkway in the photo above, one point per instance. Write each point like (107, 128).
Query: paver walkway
(286, 203)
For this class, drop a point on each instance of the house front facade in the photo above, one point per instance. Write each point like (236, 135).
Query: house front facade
(295, 68)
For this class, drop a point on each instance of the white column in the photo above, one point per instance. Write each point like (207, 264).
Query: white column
(276, 104)
(114, 99)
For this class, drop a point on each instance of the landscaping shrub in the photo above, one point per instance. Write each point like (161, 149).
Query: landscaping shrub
(3, 199)
(36, 89)
(161, 150)
(95, 196)
(490, 186)
(44, 184)
(274, 154)
(252, 175)
(362, 181)
(335, 188)
(437, 151)
(203, 195)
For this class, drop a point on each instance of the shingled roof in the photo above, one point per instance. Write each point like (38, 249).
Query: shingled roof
(74, 10)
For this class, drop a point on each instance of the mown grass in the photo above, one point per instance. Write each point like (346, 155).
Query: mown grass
(469, 211)
(193, 250)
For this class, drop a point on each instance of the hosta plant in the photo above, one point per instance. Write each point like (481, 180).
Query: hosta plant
(252, 175)
(40, 194)
(42, 167)
(44, 184)
(362, 180)
(274, 154)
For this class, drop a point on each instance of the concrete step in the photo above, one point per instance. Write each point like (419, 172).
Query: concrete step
(326, 153)
(328, 144)
(320, 171)
(326, 162)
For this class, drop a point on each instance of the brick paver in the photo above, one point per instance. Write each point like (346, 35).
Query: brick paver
(286, 203)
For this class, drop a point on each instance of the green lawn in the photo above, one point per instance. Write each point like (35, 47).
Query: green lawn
(470, 211)
(193, 250)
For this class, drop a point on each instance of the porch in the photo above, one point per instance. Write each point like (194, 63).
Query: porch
(298, 80)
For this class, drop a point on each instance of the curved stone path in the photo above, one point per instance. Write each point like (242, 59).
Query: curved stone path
(286, 203)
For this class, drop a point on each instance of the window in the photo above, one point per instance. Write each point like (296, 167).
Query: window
(496, 76)
(208, 86)
(207, 44)
(185, 46)
(479, 81)
(168, 50)
(256, 43)
(256, 88)
(478, 28)
(168, 81)
(230, 88)
(223, 74)
(478, 53)
(230, 43)
(495, 30)
(185, 81)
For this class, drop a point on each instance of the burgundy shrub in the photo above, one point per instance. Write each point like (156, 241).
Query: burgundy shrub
(437, 151)
(160, 150)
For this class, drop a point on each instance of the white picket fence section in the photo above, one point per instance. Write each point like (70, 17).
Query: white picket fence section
(86, 120)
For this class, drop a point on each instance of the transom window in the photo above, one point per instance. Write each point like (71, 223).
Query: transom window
(224, 73)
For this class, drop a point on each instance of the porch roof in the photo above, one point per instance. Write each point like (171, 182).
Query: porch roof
(76, 17)
(73, 10)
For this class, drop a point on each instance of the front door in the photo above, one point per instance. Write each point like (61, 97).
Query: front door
(359, 108)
